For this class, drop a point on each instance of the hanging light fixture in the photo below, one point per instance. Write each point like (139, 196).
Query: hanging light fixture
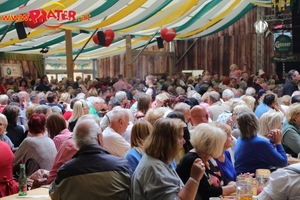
(260, 26)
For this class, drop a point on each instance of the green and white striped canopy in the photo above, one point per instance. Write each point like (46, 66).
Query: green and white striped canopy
(139, 18)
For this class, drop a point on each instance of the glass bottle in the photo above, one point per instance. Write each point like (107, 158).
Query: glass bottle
(22, 181)
(260, 184)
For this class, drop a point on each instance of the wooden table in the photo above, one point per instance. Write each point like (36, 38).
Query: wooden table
(36, 194)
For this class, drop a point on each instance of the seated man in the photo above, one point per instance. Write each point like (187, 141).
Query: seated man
(113, 141)
(198, 115)
(283, 184)
(52, 101)
(92, 173)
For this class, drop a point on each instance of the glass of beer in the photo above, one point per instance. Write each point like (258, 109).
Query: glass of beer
(244, 185)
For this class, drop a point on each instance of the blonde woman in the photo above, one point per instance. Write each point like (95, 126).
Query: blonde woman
(153, 114)
(65, 99)
(160, 100)
(3, 126)
(80, 108)
(208, 141)
(250, 101)
(151, 88)
(268, 122)
(224, 161)
(93, 92)
(235, 72)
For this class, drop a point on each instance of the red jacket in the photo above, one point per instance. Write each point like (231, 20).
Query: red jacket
(7, 185)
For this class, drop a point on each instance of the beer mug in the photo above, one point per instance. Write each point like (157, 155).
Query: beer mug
(244, 185)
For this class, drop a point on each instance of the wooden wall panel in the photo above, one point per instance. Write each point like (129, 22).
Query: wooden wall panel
(215, 53)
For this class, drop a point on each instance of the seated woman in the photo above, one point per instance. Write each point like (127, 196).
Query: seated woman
(80, 108)
(208, 142)
(3, 136)
(160, 100)
(39, 147)
(7, 185)
(14, 131)
(154, 178)
(144, 104)
(186, 133)
(139, 132)
(290, 131)
(224, 161)
(269, 121)
(253, 152)
(57, 129)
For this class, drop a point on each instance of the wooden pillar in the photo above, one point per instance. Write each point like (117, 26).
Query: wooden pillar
(129, 66)
(69, 54)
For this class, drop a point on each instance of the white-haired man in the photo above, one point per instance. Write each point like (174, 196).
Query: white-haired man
(112, 138)
(3, 102)
(122, 97)
(216, 105)
(92, 173)
(96, 105)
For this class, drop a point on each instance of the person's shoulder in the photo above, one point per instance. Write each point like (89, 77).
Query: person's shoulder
(227, 154)
(132, 153)
(116, 163)
(16, 128)
(48, 140)
(150, 165)
(188, 157)
(260, 140)
(68, 144)
(110, 133)
(4, 146)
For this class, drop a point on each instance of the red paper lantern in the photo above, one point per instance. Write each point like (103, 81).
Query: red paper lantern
(95, 39)
(168, 34)
(109, 36)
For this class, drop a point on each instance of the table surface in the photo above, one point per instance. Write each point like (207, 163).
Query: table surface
(37, 194)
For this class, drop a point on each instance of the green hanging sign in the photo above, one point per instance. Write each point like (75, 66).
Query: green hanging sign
(283, 44)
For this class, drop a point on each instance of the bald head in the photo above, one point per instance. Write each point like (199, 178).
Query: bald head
(198, 115)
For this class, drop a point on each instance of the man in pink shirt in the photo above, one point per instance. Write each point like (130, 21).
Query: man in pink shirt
(121, 84)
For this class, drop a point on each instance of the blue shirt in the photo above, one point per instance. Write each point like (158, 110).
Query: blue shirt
(258, 153)
(226, 168)
(261, 109)
(133, 158)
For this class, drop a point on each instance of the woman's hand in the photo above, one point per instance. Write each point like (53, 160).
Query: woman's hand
(276, 135)
(197, 170)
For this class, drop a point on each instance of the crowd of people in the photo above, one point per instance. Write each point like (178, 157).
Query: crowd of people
(168, 137)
